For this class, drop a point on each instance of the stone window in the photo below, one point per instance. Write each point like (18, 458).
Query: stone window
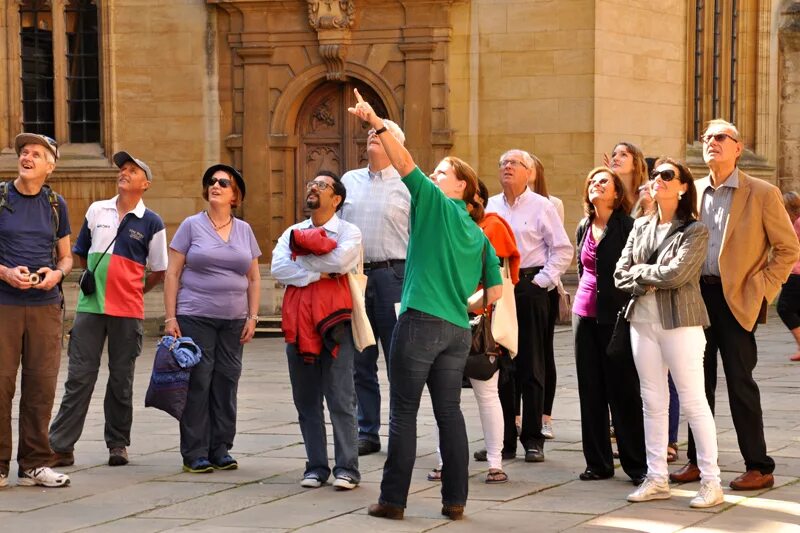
(722, 65)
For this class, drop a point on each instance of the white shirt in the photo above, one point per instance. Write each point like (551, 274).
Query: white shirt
(379, 204)
(540, 235)
(306, 269)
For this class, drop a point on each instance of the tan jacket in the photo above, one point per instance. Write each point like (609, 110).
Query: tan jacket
(758, 251)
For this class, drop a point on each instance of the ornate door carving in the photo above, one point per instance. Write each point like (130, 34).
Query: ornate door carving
(330, 138)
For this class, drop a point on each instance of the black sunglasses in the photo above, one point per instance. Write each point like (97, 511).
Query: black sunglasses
(223, 182)
(719, 137)
(665, 175)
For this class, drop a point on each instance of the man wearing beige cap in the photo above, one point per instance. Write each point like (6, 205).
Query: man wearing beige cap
(34, 259)
(119, 240)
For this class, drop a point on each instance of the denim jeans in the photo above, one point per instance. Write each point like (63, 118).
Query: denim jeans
(432, 351)
(330, 378)
(384, 287)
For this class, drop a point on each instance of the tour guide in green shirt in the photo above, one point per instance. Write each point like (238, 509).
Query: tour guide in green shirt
(432, 336)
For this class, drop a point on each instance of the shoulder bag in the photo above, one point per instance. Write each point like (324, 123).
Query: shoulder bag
(482, 361)
(86, 281)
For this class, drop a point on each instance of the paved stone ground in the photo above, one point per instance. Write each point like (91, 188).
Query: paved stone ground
(151, 494)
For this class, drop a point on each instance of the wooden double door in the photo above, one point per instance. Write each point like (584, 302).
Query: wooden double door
(330, 137)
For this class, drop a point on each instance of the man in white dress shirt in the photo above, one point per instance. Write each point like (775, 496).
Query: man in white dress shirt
(378, 203)
(546, 252)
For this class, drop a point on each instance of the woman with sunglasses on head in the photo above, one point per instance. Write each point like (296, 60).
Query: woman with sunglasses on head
(660, 266)
(447, 253)
(211, 294)
(603, 381)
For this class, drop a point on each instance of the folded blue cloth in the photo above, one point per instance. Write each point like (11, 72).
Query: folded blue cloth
(184, 350)
(169, 382)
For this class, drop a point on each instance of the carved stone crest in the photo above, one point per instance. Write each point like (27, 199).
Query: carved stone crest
(331, 14)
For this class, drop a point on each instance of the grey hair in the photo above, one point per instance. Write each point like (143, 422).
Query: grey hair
(526, 157)
(395, 130)
(725, 124)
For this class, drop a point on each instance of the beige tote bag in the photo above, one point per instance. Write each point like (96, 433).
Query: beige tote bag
(504, 316)
(362, 330)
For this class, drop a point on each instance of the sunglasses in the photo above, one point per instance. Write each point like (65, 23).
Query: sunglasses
(665, 175)
(223, 182)
(513, 162)
(719, 137)
(321, 185)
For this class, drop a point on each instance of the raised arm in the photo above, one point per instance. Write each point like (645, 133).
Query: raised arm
(398, 155)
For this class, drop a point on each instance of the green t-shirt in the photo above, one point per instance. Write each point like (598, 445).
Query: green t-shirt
(443, 264)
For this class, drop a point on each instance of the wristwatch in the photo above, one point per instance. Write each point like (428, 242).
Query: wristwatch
(252, 317)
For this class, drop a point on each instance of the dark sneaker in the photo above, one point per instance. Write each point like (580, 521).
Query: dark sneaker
(534, 455)
(117, 457)
(62, 459)
(366, 447)
(200, 465)
(225, 463)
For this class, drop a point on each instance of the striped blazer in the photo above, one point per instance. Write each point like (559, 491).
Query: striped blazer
(675, 273)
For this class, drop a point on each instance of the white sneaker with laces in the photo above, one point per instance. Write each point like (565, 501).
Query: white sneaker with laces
(650, 489)
(3, 480)
(42, 476)
(311, 481)
(344, 483)
(547, 430)
(709, 495)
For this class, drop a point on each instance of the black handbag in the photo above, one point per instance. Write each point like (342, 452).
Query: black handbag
(482, 361)
(86, 281)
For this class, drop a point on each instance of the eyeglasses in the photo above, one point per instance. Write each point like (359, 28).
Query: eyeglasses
(223, 182)
(665, 175)
(513, 162)
(321, 185)
(600, 181)
(719, 137)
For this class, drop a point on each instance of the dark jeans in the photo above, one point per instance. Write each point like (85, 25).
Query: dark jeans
(329, 378)
(208, 424)
(529, 368)
(789, 302)
(30, 336)
(432, 351)
(384, 287)
(88, 334)
(739, 354)
(550, 376)
(604, 381)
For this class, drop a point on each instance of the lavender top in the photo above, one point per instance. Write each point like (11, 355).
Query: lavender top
(214, 279)
(585, 304)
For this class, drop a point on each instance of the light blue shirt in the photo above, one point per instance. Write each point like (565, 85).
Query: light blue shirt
(716, 206)
(379, 204)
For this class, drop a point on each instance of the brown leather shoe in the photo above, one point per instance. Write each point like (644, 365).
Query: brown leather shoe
(688, 473)
(62, 459)
(382, 510)
(453, 512)
(117, 457)
(753, 480)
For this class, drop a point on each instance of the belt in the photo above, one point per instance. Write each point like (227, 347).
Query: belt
(532, 271)
(375, 265)
(711, 280)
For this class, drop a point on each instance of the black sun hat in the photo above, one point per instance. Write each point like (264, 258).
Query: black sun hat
(230, 170)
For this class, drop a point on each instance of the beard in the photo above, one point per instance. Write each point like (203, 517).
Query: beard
(312, 202)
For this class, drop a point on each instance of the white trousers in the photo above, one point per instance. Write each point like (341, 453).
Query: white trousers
(680, 351)
(491, 413)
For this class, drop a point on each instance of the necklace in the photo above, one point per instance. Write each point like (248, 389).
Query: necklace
(215, 224)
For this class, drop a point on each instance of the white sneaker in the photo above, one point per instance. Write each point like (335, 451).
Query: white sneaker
(3, 480)
(43, 476)
(311, 481)
(344, 483)
(709, 495)
(547, 430)
(650, 489)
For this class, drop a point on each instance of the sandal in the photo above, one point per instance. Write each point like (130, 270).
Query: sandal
(435, 475)
(672, 452)
(495, 477)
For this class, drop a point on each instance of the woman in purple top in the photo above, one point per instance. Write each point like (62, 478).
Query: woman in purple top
(211, 294)
(603, 381)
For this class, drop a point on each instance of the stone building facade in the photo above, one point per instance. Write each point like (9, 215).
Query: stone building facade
(263, 85)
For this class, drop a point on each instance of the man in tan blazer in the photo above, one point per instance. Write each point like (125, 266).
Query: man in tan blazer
(751, 250)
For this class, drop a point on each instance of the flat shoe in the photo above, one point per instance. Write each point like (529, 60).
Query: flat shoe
(591, 475)
(435, 475)
(496, 477)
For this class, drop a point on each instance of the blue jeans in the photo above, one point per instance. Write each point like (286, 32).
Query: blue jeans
(330, 378)
(384, 287)
(432, 351)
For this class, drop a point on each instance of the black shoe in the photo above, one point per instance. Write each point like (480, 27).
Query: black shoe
(591, 475)
(534, 455)
(366, 447)
(480, 455)
(638, 480)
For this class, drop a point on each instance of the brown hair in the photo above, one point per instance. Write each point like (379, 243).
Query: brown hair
(687, 205)
(620, 198)
(465, 173)
(539, 184)
(237, 194)
(640, 175)
(791, 201)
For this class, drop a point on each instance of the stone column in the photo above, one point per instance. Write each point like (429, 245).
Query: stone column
(256, 167)
(417, 108)
(789, 107)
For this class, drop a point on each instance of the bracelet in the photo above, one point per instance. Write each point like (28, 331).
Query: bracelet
(252, 317)
(63, 274)
(166, 320)
(381, 130)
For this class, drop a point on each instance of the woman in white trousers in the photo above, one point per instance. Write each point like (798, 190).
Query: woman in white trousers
(661, 265)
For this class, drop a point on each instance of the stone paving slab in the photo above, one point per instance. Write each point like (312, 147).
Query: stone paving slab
(153, 494)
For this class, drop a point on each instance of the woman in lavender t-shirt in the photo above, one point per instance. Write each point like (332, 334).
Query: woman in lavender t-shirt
(211, 294)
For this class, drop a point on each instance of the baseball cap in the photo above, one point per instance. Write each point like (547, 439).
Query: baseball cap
(120, 158)
(34, 138)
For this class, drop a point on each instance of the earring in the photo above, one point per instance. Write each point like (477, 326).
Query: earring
(680, 194)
